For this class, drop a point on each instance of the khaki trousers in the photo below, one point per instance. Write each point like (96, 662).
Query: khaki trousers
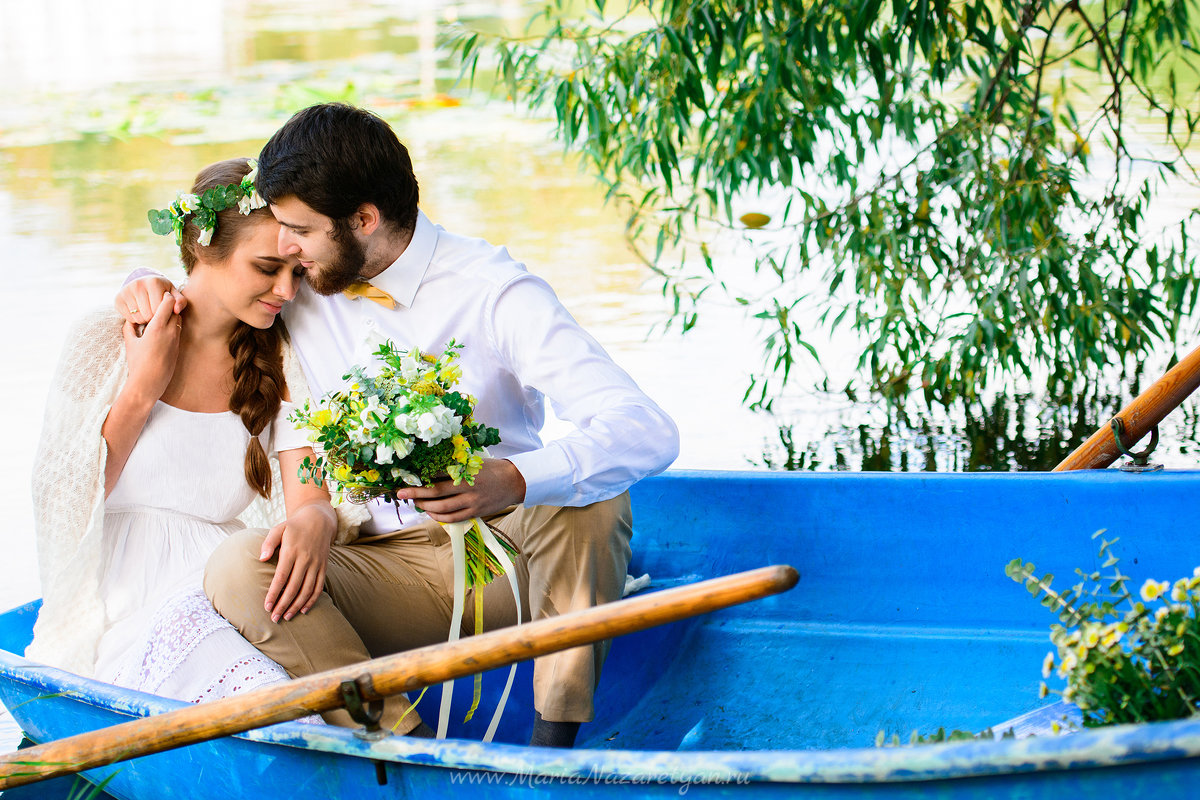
(392, 592)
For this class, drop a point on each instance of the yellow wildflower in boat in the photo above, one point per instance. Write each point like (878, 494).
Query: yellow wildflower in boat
(1047, 664)
(1112, 637)
(1152, 589)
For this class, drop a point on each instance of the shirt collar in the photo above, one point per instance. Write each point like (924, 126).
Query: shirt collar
(403, 277)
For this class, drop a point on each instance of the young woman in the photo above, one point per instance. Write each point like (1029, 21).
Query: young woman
(155, 441)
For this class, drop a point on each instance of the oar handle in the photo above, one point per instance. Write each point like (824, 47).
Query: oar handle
(1139, 417)
(390, 675)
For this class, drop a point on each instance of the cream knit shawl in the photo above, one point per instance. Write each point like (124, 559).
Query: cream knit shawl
(68, 490)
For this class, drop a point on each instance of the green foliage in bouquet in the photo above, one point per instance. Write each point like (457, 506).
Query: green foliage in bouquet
(1124, 659)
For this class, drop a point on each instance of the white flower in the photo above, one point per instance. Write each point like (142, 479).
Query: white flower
(437, 424)
(359, 436)
(383, 453)
(410, 368)
(188, 203)
(402, 447)
(251, 201)
(205, 237)
(1048, 664)
(1152, 589)
(252, 175)
(406, 476)
(406, 423)
(372, 413)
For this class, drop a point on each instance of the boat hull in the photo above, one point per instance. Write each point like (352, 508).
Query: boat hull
(902, 620)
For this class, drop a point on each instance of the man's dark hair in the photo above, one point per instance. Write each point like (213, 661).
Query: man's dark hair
(335, 157)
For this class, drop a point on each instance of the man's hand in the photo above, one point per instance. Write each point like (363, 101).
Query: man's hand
(303, 541)
(138, 300)
(497, 486)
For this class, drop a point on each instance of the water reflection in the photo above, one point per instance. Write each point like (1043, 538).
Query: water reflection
(1013, 433)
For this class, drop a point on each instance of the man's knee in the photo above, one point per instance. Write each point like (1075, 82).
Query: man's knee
(234, 575)
(606, 522)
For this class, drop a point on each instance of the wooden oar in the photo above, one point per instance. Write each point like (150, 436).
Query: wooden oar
(389, 675)
(1139, 417)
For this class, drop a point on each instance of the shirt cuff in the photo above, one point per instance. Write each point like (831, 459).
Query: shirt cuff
(141, 272)
(547, 473)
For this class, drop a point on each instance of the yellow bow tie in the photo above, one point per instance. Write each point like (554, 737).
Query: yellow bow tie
(357, 290)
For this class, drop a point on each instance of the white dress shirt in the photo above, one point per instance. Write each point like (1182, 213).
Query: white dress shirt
(520, 347)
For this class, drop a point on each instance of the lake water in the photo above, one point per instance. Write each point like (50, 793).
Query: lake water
(108, 109)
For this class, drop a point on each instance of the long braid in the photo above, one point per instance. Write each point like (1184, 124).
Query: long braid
(258, 385)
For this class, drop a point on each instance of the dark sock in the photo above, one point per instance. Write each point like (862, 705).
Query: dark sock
(422, 731)
(552, 734)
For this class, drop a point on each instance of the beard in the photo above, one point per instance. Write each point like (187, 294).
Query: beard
(347, 264)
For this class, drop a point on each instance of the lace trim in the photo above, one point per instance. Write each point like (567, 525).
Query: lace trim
(179, 625)
(251, 672)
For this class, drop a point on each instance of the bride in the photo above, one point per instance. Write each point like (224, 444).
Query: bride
(156, 441)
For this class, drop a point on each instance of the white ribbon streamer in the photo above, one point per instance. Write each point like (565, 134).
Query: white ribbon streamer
(497, 549)
(457, 531)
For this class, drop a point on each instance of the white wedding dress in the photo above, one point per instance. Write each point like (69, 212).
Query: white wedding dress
(178, 496)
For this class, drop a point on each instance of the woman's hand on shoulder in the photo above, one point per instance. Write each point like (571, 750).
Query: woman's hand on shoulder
(139, 299)
(152, 355)
(303, 541)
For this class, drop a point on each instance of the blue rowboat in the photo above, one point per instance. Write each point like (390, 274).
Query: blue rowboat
(903, 620)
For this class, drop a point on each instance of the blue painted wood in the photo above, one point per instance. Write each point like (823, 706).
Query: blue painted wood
(903, 619)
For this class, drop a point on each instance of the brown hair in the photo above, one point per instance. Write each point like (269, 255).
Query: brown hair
(258, 382)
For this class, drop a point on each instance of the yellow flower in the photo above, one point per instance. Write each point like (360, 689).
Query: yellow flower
(462, 451)
(1175, 649)
(372, 475)
(428, 386)
(450, 374)
(321, 419)
(342, 473)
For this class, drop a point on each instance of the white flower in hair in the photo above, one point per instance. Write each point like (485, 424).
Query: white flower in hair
(205, 237)
(252, 175)
(188, 203)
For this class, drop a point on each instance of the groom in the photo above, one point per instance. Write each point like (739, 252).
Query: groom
(342, 187)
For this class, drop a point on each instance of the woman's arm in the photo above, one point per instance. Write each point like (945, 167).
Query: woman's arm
(151, 359)
(303, 541)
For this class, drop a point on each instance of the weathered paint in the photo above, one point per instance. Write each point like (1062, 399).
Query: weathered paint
(903, 619)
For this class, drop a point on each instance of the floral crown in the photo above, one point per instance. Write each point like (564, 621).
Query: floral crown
(203, 208)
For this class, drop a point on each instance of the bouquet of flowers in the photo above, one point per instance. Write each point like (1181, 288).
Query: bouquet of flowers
(406, 425)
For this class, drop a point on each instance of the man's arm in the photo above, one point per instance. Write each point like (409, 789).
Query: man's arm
(620, 435)
(140, 294)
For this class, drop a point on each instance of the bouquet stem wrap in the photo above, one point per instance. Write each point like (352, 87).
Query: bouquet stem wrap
(460, 534)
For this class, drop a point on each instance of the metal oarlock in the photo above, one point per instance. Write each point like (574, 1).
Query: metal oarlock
(1140, 461)
(366, 714)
